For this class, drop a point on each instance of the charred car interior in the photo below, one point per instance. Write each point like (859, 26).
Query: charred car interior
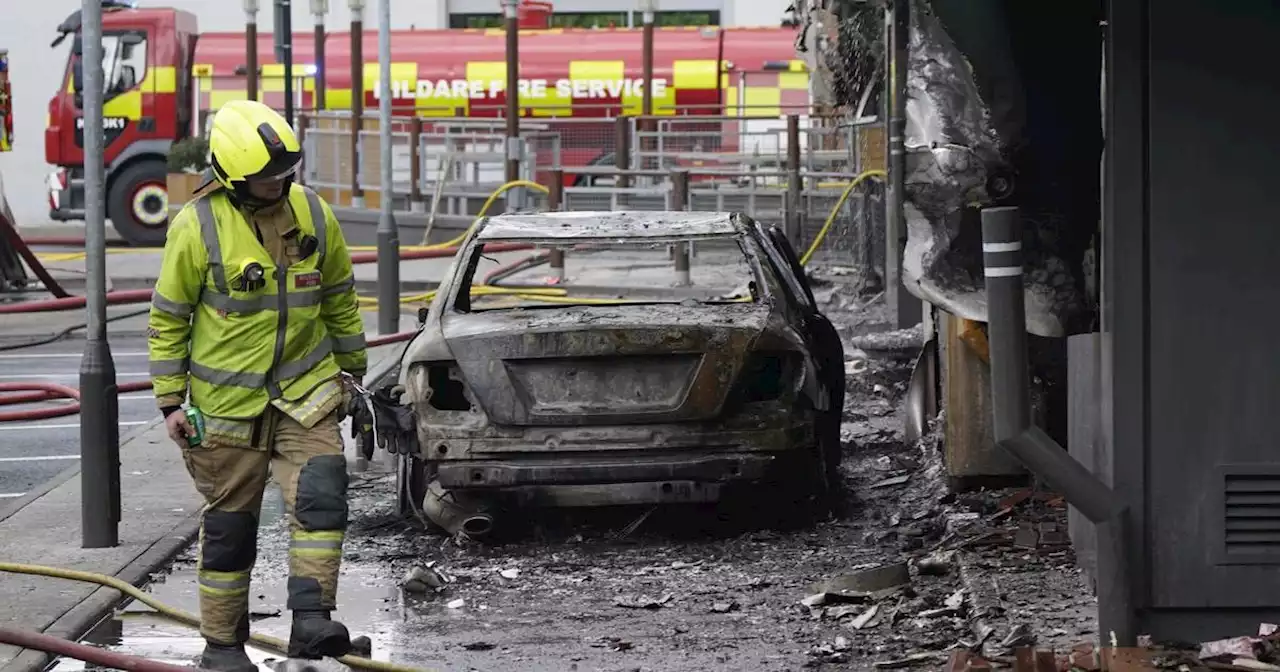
(646, 391)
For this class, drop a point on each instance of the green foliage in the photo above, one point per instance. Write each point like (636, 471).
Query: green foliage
(189, 155)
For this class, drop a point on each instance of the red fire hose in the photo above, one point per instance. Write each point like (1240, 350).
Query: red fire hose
(32, 392)
(90, 654)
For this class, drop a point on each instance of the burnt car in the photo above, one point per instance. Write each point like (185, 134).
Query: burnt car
(628, 383)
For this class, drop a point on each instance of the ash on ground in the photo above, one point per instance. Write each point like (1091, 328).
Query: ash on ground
(886, 584)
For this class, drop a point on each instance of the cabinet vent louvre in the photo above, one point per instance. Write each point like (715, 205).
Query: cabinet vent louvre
(1252, 510)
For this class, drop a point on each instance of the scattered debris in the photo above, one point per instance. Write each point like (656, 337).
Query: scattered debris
(868, 580)
(643, 601)
(509, 573)
(478, 646)
(613, 644)
(937, 563)
(456, 604)
(724, 607)
(424, 580)
(896, 480)
(864, 620)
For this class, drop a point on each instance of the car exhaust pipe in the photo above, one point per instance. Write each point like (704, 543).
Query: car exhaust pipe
(457, 513)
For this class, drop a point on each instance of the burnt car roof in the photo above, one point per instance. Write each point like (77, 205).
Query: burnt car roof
(605, 224)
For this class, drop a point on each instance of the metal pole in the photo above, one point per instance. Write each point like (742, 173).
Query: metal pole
(357, 98)
(250, 49)
(1011, 409)
(793, 218)
(680, 202)
(897, 28)
(388, 235)
(555, 201)
(286, 49)
(318, 9)
(511, 9)
(647, 7)
(99, 415)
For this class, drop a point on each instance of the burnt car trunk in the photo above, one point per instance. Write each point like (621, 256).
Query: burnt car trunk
(604, 366)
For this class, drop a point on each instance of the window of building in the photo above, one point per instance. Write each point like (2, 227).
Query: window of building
(681, 18)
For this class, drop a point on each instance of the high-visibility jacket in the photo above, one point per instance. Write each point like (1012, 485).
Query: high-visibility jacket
(236, 350)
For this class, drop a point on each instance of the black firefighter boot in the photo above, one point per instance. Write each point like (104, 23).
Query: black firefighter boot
(220, 657)
(315, 636)
(226, 658)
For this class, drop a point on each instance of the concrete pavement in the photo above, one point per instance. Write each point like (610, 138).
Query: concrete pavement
(160, 518)
(32, 452)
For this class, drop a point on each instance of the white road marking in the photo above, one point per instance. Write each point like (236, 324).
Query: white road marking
(74, 376)
(67, 355)
(69, 425)
(39, 458)
(12, 495)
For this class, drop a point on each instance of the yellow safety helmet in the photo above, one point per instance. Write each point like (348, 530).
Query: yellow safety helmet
(250, 141)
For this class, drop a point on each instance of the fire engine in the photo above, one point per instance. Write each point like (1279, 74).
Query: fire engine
(162, 77)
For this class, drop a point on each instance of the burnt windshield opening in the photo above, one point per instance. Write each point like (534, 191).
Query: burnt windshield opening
(620, 271)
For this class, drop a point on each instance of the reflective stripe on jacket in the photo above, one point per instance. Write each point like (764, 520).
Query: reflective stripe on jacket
(237, 350)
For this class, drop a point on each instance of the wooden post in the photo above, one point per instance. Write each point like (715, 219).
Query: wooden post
(972, 457)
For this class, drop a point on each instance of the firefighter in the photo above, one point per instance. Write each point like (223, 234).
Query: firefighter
(255, 320)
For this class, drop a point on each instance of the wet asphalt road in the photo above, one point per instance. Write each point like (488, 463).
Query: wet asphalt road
(32, 452)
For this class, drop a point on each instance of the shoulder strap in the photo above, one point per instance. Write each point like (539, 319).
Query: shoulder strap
(319, 223)
(209, 234)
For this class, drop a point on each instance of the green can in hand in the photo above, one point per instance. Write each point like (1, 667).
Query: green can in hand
(196, 419)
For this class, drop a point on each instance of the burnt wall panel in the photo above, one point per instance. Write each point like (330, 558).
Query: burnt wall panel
(1213, 239)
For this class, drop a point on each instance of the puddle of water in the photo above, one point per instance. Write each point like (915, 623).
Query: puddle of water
(369, 598)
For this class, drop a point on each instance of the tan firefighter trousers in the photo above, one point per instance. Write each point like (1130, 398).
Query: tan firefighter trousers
(311, 469)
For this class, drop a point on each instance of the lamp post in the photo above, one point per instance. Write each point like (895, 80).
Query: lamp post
(99, 414)
(388, 234)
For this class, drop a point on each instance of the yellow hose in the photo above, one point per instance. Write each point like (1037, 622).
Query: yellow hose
(831, 218)
(264, 642)
(485, 208)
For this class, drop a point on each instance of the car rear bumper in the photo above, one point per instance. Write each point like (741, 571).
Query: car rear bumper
(603, 470)
(607, 480)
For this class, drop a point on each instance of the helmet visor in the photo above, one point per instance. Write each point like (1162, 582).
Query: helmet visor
(282, 164)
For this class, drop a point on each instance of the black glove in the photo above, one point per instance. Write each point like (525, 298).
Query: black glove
(361, 423)
(397, 428)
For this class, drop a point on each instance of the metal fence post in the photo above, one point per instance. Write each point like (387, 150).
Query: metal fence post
(555, 202)
(357, 97)
(99, 421)
(622, 155)
(794, 212)
(680, 202)
(388, 235)
(416, 204)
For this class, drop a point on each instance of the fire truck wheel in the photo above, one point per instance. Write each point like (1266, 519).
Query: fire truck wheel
(138, 204)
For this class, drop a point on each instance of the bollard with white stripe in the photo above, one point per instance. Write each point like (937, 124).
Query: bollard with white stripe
(1006, 319)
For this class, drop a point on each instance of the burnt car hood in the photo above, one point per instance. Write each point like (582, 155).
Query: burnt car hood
(603, 365)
